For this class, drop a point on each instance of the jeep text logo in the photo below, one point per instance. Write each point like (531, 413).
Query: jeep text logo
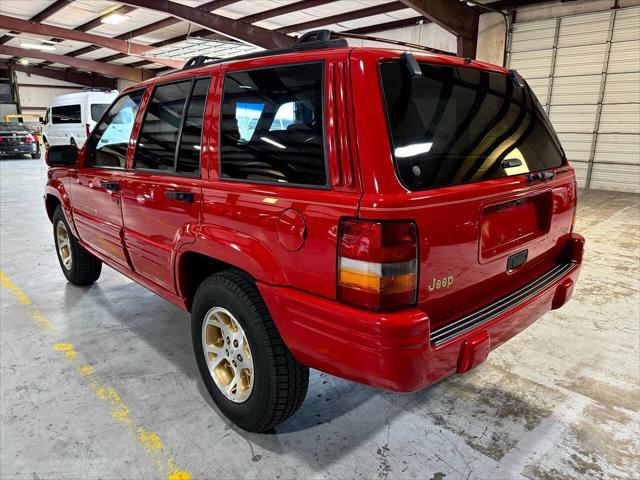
(439, 283)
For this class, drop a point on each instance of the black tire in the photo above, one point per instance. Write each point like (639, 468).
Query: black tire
(35, 155)
(280, 382)
(73, 142)
(85, 268)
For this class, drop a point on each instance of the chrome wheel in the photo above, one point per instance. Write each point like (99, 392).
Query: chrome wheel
(227, 354)
(64, 245)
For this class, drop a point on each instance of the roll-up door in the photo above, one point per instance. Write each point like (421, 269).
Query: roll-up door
(585, 69)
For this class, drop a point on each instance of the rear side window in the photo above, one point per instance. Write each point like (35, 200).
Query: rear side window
(97, 109)
(272, 125)
(66, 114)
(458, 125)
(170, 137)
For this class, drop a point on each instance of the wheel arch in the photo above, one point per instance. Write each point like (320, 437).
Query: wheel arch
(205, 257)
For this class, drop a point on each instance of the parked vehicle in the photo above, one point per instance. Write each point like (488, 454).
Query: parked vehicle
(71, 117)
(17, 139)
(416, 211)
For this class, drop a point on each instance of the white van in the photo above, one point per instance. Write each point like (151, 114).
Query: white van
(71, 117)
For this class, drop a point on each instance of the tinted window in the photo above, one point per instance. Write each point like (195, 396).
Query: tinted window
(159, 134)
(66, 114)
(107, 146)
(458, 125)
(97, 109)
(272, 125)
(191, 138)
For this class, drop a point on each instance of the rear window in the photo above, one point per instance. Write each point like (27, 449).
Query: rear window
(97, 109)
(65, 114)
(459, 125)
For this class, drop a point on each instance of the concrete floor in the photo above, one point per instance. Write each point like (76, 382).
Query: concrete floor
(100, 382)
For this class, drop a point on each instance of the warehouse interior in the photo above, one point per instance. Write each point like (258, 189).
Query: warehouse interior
(101, 382)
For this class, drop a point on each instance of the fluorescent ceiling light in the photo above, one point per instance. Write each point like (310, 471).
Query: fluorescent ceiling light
(37, 46)
(272, 142)
(413, 150)
(114, 18)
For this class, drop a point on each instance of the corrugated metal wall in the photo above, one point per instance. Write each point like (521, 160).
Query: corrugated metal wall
(585, 69)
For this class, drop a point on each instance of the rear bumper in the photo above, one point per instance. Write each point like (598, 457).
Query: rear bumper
(397, 351)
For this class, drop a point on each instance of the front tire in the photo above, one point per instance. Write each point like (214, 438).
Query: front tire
(231, 322)
(35, 155)
(78, 265)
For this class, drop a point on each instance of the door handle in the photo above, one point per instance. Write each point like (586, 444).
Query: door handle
(113, 186)
(187, 197)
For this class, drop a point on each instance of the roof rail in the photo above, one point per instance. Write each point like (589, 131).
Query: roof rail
(313, 40)
(393, 42)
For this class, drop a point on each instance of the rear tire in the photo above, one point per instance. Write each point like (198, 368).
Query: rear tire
(35, 155)
(78, 265)
(278, 383)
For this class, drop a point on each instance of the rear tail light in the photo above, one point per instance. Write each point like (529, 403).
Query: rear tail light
(88, 128)
(29, 139)
(378, 264)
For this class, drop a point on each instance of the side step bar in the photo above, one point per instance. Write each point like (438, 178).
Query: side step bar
(474, 319)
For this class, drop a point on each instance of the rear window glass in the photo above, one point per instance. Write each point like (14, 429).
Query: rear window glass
(272, 125)
(459, 125)
(97, 109)
(65, 114)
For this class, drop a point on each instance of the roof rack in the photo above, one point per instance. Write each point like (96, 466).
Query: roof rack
(313, 40)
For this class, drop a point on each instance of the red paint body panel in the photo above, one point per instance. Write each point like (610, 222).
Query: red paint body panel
(287, 237)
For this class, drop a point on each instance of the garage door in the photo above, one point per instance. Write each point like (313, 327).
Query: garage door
(585, 69)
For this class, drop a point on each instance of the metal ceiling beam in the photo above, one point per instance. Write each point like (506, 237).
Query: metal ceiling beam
(456, 17)
(81, 78)
(217, 23)
(42, 15)
(96, 22)
(122, 46)
(343, 17)
(380, 27)
(117, 71)
(276, 12)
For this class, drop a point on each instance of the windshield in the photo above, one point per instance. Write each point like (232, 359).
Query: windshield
(458, 125)
(97, 109)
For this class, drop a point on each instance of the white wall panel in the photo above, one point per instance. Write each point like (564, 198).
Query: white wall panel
(607, 176)
(576, 90)
(625, 56)
(622, 88)
(583, 60)
(532, 64)
(573, 118)
(620, 118)
(577, 146)
(618, 148)
(589, 29)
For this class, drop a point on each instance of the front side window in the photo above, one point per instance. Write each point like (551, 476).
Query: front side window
(107, 146)
(272, 125)
(66, 114)
(456, 125)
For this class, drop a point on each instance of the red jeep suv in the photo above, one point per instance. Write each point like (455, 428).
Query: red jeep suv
(383, 216)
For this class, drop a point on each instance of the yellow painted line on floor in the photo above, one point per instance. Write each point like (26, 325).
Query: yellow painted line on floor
(120, 412)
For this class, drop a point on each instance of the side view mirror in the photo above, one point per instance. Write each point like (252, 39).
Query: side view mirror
(41, 120)
(62, 156)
